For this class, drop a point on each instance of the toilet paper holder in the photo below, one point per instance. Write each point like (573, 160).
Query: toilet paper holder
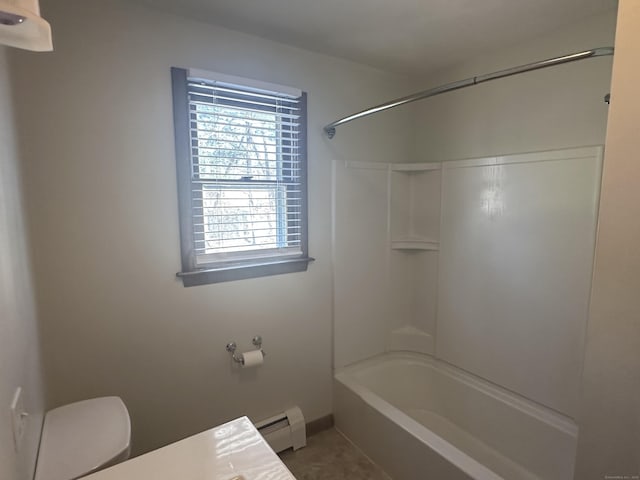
(232, 347)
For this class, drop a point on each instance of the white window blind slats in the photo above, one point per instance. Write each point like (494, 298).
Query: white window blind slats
(260, 137)
(239, 243)
(232, 145)
(229, 151)
(208, 115)
(218, 90)
(206, 199)
(242, 106)
(230, 166)
(246, 173)
(239, 240)
(199, 215)
(259, 236)
(233, 179)
(292, 223)
(224, 161)
(221, 92)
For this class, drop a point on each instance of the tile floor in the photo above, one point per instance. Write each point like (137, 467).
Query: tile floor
(330, 456)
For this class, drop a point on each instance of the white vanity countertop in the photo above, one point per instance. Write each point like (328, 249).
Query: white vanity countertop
(233, 451)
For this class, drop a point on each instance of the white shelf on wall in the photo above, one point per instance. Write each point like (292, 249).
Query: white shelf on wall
(364, 165)
(414, 167)
(414, 206)
(411, 339)
(414, 244)
(394, 167)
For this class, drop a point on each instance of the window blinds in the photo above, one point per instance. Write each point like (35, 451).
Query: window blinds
(248, 180)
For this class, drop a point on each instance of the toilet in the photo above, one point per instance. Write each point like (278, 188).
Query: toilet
(82, 437)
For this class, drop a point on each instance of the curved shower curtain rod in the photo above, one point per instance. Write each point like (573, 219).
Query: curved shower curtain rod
(330, 129)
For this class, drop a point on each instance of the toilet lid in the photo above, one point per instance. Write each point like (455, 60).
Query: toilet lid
(80, 437)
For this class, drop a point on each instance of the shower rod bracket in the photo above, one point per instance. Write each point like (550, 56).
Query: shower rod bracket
(330, 129)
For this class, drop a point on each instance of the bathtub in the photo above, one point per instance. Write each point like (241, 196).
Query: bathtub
(420, 418)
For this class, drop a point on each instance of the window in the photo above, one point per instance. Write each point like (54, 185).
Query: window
(241, 164)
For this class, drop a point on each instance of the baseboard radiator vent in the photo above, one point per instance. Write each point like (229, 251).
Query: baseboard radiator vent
(285, 430)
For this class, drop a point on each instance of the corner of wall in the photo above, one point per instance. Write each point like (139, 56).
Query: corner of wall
(19, 339)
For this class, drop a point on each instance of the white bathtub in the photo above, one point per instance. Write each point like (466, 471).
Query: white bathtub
(419, 418)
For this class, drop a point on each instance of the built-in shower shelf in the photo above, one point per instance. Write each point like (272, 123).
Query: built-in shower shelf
(414, 244)
(414, 167)
(410, 339)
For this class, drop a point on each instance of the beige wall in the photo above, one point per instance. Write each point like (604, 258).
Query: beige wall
(609, 442)
(19, 357)
(543, 110)
(98, 144)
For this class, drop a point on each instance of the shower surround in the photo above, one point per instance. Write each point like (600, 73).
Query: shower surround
(479, 272)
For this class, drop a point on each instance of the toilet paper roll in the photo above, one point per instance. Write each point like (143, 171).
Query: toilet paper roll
(252, 358)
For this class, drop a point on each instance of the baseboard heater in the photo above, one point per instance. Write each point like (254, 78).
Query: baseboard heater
(285, 430)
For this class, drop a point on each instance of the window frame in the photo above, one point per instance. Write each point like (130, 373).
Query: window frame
(192, 273)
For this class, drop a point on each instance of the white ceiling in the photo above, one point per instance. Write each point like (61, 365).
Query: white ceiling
(405, 36)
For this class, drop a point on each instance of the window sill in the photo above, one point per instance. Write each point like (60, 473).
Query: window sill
(243, 271)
